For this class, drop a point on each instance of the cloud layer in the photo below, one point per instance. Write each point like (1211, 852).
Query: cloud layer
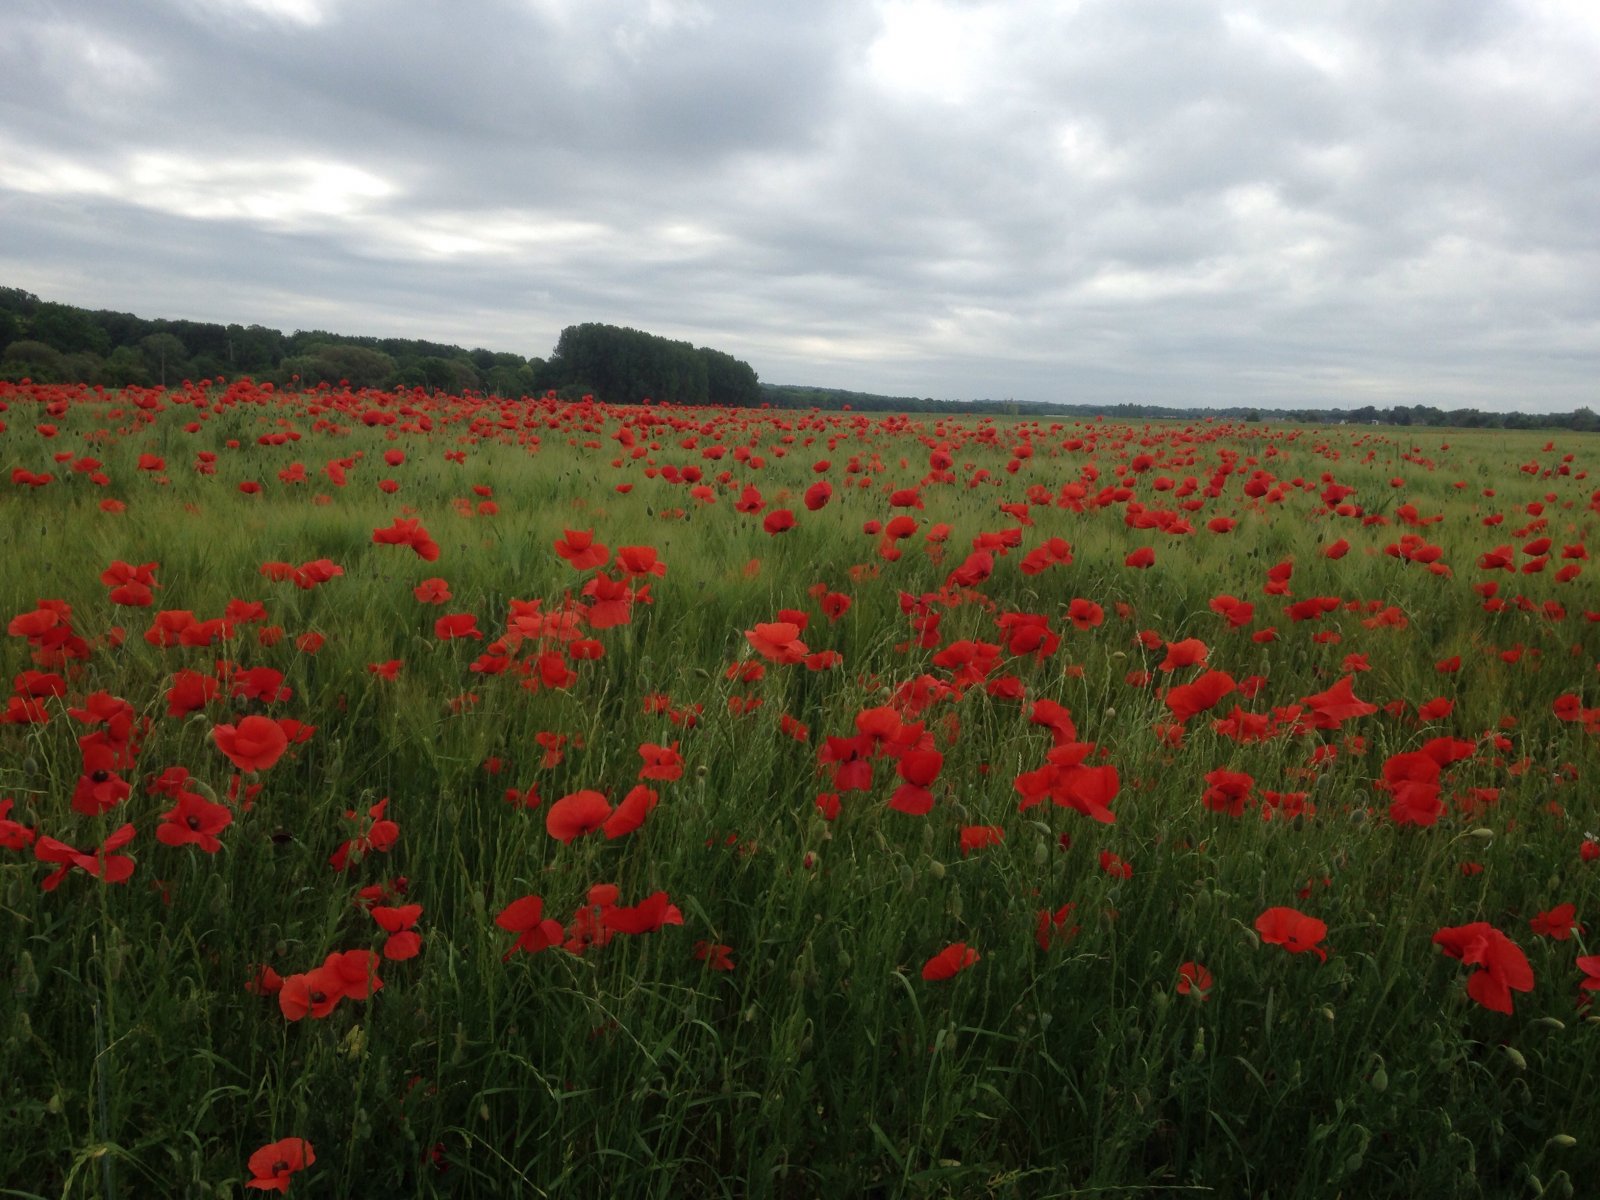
(1099, 202)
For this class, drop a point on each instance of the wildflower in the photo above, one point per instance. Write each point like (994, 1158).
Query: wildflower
(273, 1164)
(1292, 930)
(1504, 966)
(952, 960)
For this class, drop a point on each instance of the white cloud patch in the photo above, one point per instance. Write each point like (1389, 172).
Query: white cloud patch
(1113, 200)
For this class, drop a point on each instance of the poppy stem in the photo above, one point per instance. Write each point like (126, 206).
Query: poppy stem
(107, 1167)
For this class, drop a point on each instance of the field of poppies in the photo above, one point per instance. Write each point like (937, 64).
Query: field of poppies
(409, 794)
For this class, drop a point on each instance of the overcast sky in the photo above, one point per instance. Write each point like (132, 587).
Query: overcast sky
(1168, 201)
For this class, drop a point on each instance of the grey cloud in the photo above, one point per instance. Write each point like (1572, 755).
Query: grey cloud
(1149, 199)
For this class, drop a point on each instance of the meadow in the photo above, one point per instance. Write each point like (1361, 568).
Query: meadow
(408, 794)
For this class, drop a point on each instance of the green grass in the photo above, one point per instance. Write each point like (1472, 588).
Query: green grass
(134, 1061)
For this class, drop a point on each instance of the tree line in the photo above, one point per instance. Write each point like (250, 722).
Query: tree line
(788, 396)
(60, 343)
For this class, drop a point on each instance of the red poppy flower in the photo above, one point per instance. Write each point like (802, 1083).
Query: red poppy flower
(635, 561)
(536, 932)
(1051, 927)
(273, 1164)
(1115, 866)
(1141, 558)
(980, 837)
(631, 813)
(314, 993)
(1085, 614)
(818, 495)
(1191, 652)
(408, 532)
(195, 821)
(1556, 923)
(357, 972)
(105, 863)
(778, 641)
(457, 625)
(575, 815)
(403, 942)
(952, 960)
(1589, 964)
(580, 549)
(661, 762)
(432, 591)
(647, 916)
(255, 744)
(1339, 703)
(716, 956)
(1189, 699)
(1194, 979)
(1292, 930)
(13, 834)
(1504, 966)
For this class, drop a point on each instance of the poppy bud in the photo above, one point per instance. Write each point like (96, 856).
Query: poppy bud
(1565, 1140)
(1481, 833)
(936, 869)
(1516, 1058)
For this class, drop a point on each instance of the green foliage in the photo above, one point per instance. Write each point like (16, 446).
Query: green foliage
(135, 1061)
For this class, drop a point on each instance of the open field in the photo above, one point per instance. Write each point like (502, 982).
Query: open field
(913, 806)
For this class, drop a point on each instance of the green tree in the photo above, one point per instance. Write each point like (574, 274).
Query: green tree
(164, 353)
(30, 359)
(126, 367)
(67, 329)
(729, 381)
